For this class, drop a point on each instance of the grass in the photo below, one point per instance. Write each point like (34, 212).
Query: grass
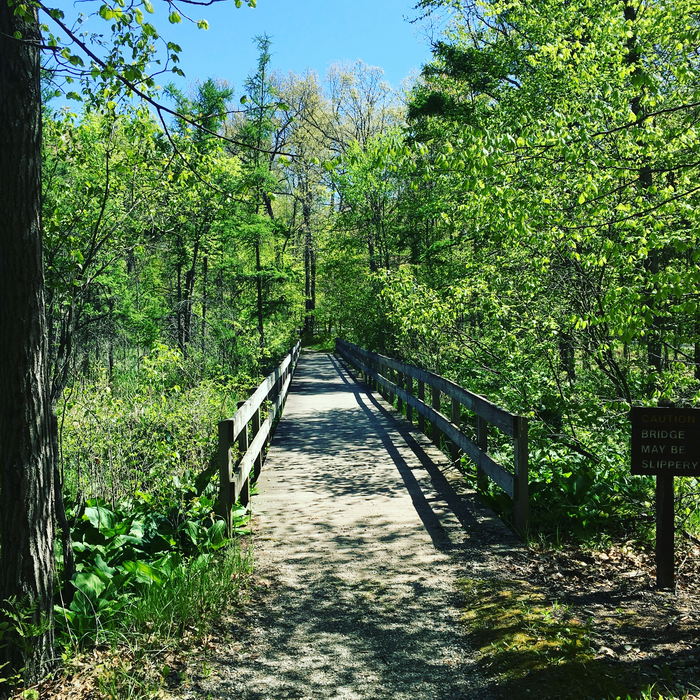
(322, 346)
(148, 645)
(191, 599)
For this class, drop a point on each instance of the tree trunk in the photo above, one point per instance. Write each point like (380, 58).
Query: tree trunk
(205, 276)
(178, 306)
(62, 522)
(309, 271)
(259, 293)
(567, 356)
(188, 298)
(26, 464)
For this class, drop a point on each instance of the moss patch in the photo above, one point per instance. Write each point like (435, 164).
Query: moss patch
(536, 648)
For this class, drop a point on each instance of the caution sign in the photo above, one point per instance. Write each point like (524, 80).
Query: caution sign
(666, 441)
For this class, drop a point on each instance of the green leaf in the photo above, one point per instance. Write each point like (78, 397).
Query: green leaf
(144, 572)
(217, 535)
(106, 12)
(194, 530)
(100, 517)
(103, 570)
(89, 584)
(174, 17)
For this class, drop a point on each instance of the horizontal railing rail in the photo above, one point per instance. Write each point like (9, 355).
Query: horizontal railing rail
(249, 433)
(395, 381)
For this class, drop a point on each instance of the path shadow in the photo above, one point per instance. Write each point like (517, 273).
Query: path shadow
(360, 613)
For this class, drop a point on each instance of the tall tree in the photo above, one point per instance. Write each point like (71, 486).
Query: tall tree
(26, 461)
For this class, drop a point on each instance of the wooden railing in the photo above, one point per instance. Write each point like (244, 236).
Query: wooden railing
(406, 385)
(249, 433)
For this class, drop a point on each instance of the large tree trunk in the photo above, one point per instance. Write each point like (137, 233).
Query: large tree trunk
(26, 466)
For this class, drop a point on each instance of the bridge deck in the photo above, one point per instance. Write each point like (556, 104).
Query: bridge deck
(360, 538)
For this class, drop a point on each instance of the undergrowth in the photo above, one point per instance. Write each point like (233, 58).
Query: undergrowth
(133, 563)
(153, 566)
(146, 648)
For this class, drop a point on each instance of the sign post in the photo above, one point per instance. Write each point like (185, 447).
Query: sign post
(665, 444)
(665, 532)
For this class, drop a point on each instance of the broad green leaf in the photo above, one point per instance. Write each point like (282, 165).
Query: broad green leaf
(100, 517)
(90, 584)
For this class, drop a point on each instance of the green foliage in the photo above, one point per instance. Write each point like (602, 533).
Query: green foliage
(143, 521)
(531, 233)
(20, 627)
(143, 550)
(150, 433)
(527, 226)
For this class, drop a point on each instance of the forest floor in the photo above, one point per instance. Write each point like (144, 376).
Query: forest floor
(379, 575)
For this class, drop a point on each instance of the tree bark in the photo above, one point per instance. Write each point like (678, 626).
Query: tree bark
(26, 463)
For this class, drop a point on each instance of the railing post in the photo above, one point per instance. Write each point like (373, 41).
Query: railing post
(243, 443)
(435, 404)
(257, 468)
(409, 389)
(225, 472)
(482, 441)
(382, 389)
(421, 397)
(521, 495)
(456, 418)
(400, 382)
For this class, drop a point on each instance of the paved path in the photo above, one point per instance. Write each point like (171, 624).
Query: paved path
(360, 538)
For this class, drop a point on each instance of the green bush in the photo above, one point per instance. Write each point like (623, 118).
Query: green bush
(145, 434)
(141, 551)
(137, 458)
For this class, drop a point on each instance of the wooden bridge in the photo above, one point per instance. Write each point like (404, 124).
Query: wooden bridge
(446, 417)
(362, 529)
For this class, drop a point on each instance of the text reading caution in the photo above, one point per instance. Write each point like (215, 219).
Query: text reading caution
(666, 441)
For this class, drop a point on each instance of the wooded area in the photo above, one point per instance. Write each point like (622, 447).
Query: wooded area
(523, 221)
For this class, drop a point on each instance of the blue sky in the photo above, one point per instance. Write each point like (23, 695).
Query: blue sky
(306, 34)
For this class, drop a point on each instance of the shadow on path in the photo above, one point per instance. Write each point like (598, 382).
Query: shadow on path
(360, 540)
